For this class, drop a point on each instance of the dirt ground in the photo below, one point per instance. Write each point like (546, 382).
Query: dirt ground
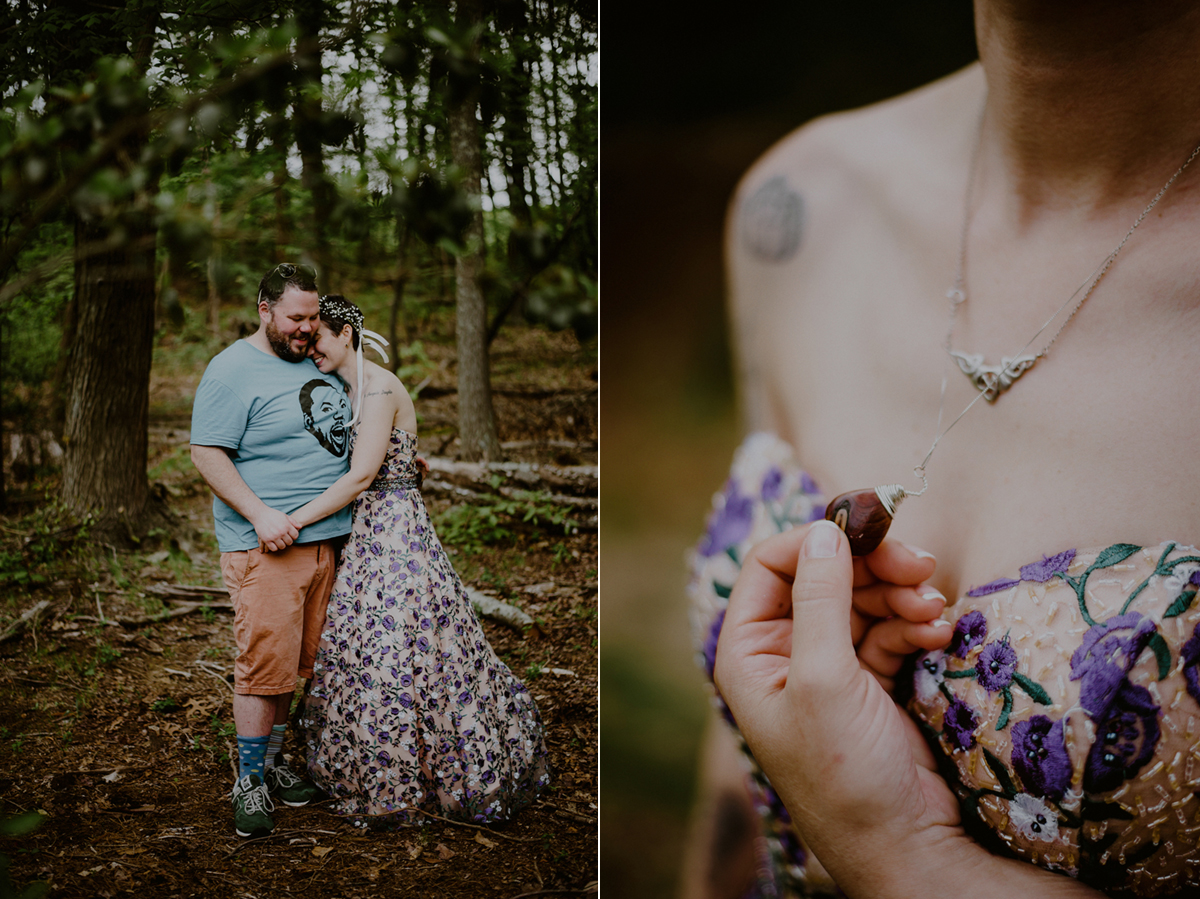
(116, 726)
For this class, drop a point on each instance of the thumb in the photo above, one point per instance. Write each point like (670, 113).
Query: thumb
(822, 644)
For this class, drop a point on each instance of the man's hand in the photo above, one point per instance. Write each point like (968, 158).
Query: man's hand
(422, 469)
(275, 530)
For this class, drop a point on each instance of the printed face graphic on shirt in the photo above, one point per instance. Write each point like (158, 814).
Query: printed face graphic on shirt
(325, 413)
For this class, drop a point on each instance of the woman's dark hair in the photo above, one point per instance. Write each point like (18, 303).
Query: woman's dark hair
(337, 312)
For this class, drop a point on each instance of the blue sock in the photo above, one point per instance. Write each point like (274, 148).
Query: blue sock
(275, 746)
(252, 754)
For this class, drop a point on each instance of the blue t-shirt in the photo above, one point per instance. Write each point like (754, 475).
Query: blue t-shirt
(287, 427)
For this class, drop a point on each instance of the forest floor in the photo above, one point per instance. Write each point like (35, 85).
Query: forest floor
(116, 729)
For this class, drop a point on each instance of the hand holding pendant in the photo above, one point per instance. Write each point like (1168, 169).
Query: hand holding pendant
(865, 515)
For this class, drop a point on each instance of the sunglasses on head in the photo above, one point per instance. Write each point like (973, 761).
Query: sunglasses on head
(285, 271)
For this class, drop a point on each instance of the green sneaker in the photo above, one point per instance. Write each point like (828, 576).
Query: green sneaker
(252, 807)
(289, 789)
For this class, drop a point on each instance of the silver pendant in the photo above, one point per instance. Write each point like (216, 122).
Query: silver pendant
(992, 380)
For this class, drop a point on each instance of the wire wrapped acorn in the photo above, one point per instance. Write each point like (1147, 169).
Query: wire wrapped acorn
(865, 515)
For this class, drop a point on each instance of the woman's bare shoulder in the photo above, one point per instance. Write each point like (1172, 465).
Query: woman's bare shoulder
(880, 154)
(380, 380)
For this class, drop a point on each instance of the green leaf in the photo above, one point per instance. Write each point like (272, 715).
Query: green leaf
(1118, 552)
(1163, 653)
(1006, 711)
(21, 824)
(1001, 773)
(1182, 603)
(721, 590)
(1035, 690)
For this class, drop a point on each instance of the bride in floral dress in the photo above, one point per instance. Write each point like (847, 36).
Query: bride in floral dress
(410, 710)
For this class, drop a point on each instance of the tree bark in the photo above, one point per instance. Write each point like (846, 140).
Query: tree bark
(108, 389)
(476, 417)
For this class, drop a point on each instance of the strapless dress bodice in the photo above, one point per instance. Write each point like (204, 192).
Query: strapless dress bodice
(1066, 710)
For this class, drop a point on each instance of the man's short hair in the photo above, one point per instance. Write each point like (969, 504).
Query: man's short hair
(287, 274)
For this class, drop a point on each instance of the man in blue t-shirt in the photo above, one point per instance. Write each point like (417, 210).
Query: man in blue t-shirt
(269, 433)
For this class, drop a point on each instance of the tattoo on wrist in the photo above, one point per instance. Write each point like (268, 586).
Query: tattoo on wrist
(771, 221)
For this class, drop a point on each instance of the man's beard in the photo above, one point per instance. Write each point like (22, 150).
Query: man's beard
(282, 345)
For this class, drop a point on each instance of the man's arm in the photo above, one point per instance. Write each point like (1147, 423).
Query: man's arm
(275, 530)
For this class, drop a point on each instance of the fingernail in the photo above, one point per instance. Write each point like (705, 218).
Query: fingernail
(822, 541)
(916, 551)
(932, 593)
(940, 622)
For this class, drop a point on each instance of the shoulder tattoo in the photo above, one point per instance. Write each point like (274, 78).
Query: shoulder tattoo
(771, 220)
(387, 392)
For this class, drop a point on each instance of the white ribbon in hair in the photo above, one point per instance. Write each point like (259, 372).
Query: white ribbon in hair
(377, 343)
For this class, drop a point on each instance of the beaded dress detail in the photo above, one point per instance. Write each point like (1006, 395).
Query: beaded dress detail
(1065, 713)
(410, 709)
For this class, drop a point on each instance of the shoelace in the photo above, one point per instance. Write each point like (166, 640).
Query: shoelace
(258, 799)
(284, 775)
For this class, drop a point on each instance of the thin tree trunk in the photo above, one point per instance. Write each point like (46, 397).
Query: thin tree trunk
(476, 417)
(307, 124)
(214, 295)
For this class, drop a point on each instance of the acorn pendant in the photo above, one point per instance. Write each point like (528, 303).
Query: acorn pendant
(865, 515)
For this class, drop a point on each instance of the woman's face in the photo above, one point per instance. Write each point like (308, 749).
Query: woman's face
(330, 349)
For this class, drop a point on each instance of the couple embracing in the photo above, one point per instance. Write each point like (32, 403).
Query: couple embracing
(409, 710)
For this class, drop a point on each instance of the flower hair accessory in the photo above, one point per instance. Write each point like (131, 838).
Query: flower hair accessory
(337, 307)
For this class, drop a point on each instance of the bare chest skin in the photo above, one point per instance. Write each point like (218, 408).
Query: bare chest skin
(1097, 444)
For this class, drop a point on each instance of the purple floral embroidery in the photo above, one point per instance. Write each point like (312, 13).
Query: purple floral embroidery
(730, 524)
(1049, 566)
(1107, 654)
(996, 666)
(959, 723)
(1190, 659)
(993, 587)
(710, 644)
(772, 485)
(1039, 756)
(1041, 572)
(969, 632)
(1125, 739)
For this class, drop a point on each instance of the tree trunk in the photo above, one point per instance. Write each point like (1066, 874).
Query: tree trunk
(476, 418)
(307, 126)
(108, 389)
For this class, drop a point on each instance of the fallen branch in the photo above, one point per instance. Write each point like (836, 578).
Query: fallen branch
(490, 607)
(567, 813)
(27, 619)
(184, 608)
(189, 591)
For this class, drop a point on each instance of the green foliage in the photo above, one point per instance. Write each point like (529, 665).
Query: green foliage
(43, 545)
(470, 527)
(165, 705)
(16, 826)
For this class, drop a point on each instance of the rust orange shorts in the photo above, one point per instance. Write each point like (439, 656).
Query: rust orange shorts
(279, 604)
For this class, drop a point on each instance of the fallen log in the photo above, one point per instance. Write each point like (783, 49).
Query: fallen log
(28, 619)
(578, 480)
(496, 609)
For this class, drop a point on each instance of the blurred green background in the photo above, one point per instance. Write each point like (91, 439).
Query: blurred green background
(692, 95)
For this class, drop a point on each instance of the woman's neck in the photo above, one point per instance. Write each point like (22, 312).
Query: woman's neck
(1091, 103)
(348, 372)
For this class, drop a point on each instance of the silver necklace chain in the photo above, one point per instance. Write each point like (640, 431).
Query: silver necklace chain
(997, 379)
(992, 381)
